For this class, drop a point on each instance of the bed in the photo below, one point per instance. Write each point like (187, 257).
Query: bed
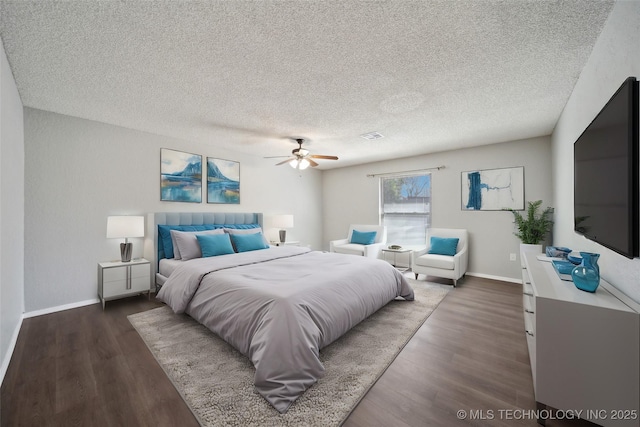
(278, 305)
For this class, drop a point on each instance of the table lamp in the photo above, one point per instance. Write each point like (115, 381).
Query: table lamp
(125, 227)
(282, 222)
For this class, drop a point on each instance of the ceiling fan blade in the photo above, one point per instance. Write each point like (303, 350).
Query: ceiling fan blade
(320, 156)
(285, 161)
(311, 162)
(274, 157)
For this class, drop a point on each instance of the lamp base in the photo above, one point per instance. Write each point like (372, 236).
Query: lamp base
(283, 236)
(125, 252)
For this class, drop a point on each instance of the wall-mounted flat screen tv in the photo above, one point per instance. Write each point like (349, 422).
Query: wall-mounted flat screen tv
(606, 174)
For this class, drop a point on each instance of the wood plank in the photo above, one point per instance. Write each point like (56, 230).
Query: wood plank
(87, 366)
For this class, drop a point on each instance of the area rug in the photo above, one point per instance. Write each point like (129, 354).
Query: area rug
(216, 381)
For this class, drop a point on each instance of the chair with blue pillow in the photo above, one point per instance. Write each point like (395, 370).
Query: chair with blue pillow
(446, 254)
(362, 240)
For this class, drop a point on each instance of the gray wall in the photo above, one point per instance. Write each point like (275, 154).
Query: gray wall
(351, 197)
(615, 57)
(11, 213)
(80, 171)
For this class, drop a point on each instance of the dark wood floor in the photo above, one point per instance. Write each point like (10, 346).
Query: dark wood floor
(86, 367)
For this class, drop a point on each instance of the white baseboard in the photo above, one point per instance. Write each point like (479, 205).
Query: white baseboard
(12, 346)
(60, 308)
(502, 279)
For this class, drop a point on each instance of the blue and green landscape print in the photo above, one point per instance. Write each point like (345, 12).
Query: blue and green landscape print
(223, 181)
(180, 176)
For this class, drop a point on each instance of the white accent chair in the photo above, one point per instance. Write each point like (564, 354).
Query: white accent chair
(449, 267)
(344, 246)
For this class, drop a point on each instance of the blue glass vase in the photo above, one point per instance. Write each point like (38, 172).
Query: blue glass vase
(586, 276)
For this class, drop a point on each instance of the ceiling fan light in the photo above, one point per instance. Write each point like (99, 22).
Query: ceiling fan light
(304, 163)
(294, 163)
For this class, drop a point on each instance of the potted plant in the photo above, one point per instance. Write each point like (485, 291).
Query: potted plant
(533, 228)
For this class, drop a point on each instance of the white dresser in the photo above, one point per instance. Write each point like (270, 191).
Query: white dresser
(584, 347)
(118, 279)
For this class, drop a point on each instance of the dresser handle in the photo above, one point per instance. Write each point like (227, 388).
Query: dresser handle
(528, 311)
(527, 293)
(528, 333)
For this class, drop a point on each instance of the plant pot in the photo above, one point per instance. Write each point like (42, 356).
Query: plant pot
(525, 247)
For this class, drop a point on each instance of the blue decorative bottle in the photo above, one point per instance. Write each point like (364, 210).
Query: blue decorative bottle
(586, 276)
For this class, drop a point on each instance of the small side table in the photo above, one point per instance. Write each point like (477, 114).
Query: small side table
(118, 279)
(287, 243)
(395, 253)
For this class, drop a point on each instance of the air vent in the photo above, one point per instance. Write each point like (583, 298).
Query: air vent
(372, 135)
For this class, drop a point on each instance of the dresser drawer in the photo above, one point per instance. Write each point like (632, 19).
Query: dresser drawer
(528, 303)
(530, 324)
(527, 289)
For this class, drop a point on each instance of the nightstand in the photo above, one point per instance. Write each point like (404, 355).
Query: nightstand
(117, 279)
(288, 243)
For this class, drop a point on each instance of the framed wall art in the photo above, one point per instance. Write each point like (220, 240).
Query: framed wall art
(223, 181)
(493, 189)
(180, 176)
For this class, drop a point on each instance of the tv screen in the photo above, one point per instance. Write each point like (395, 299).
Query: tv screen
(606, 174)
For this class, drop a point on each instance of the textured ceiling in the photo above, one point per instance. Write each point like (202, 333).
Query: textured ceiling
(244, 75)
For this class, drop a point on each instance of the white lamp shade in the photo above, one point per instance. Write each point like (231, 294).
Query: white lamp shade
(125, 226)
(282, 221)
(304, 163)
(299, 164)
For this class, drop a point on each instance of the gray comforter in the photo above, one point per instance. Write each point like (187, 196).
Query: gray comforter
(280, 306)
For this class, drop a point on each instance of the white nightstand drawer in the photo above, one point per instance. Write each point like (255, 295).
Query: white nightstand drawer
(119, 287)
(140, 270)
(114, 274)
(120, 279)
(114, 288)
(120, 273)
(141, 284)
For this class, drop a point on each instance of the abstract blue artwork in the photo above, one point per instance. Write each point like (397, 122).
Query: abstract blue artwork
(223, 181)
(493, 189)
(180, 176)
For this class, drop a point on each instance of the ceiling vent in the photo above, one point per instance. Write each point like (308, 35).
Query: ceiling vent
(372, 135)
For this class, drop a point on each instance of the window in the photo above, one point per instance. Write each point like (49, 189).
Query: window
(406, 208)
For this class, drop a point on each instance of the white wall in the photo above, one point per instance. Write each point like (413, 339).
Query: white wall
(11, 213)
(79, 172)
(351, 197)
(615, 57)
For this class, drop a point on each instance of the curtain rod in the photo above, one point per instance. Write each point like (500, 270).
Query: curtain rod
(372, 175)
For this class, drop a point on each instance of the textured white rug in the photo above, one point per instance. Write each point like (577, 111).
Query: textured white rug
(216, 381)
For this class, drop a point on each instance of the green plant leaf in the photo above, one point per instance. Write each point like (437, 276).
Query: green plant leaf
(533, 229)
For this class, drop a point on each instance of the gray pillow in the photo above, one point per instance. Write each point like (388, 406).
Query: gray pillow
(185, 243)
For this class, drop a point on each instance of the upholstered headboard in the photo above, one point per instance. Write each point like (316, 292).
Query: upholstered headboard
(151, 247)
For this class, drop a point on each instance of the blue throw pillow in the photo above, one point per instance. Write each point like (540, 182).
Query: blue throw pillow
(214, 244)
(363, 237)
(248, 242)
(443, 245)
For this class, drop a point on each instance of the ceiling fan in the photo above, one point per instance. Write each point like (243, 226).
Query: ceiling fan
(302, 158)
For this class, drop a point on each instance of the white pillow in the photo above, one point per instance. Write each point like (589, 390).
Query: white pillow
(185, 243)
